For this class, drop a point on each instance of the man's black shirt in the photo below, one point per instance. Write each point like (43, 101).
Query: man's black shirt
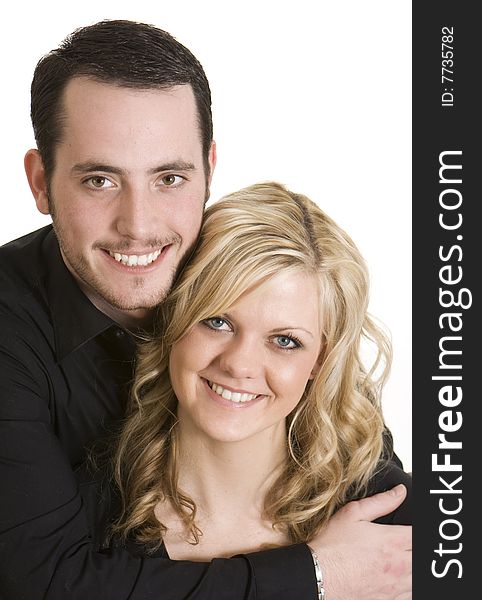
(65, 370)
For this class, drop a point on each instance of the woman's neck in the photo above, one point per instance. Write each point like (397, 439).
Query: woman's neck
(228, 483)
(233, 476)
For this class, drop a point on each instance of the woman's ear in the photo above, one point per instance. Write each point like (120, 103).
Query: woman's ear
(34, 168)
(317, 366)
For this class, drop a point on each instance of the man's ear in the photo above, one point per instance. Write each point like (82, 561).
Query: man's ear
(212, 159)
(34, 168)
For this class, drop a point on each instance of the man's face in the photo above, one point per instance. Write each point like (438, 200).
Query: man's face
(127, 191)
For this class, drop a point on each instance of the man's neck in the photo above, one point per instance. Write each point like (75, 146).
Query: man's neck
(132, 320)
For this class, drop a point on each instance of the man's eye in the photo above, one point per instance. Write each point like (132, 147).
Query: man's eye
(99, 182)
(172, 180)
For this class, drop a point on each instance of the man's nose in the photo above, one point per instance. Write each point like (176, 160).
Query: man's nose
(137, 212)
(242, 358)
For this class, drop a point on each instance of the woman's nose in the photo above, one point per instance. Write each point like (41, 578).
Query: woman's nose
(242, 358)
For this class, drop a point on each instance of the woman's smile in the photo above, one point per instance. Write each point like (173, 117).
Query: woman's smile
(232, 395)
(257, 356)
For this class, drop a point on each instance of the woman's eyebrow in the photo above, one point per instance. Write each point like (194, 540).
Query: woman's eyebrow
(230, 318)
(292, 328)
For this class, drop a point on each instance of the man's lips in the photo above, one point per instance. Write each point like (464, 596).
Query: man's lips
(134, 260)
(137, 260)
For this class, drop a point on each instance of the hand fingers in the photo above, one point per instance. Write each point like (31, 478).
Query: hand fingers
(378, 505)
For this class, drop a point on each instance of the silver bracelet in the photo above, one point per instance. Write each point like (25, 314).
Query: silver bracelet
(318, 574)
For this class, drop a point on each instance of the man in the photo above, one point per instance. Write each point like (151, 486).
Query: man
(122, 119)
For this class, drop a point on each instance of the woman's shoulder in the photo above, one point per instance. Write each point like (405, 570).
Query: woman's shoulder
(101, 505)
(389, 474)
(99, 501)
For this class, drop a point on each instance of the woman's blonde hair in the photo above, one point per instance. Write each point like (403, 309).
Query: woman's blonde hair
(334, 434)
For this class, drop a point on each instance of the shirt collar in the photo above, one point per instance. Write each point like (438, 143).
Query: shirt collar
(75, 319)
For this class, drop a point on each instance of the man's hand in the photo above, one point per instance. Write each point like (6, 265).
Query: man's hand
(361, 560)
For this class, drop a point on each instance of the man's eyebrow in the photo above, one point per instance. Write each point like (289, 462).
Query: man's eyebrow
(178, 165)
(90, 167)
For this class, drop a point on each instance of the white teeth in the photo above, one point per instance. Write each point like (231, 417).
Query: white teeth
(233, 396)
(135, 260)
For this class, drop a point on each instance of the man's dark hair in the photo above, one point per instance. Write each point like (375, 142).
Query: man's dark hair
(119, 52)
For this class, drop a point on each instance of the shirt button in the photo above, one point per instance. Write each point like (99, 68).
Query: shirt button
(120, 333)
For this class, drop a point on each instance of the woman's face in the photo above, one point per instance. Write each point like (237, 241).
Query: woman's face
(240, 373)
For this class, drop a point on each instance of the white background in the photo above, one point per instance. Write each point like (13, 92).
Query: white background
(314, 94)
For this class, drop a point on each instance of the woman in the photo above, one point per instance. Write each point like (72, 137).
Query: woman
(253, 417)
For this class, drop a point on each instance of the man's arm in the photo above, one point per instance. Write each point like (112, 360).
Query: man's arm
(45, 548)
(46, 551)
(362, 560)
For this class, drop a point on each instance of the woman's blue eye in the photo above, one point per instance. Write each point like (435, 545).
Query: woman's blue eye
(286, 342)
(216, 323)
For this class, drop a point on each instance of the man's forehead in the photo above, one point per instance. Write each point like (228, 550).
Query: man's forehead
(109, 115)
(90, 82)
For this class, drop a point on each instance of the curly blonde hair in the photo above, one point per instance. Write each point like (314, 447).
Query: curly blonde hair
(335, 433)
